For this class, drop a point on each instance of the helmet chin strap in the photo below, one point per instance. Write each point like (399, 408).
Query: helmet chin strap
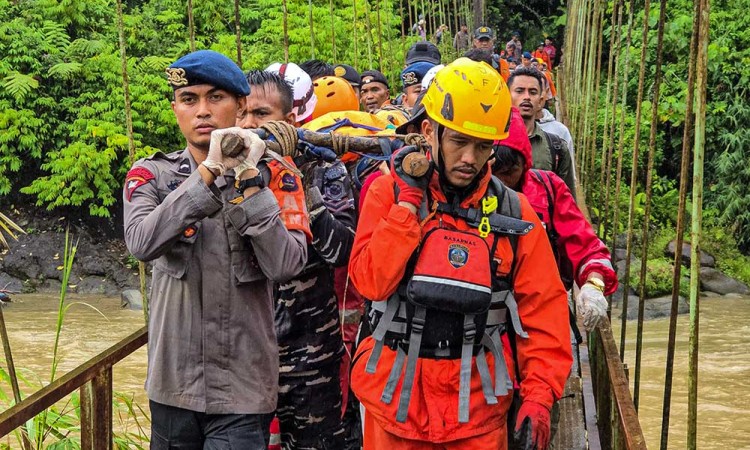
(453, 194)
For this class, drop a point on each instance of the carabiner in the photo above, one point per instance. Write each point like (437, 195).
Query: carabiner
(484, 227)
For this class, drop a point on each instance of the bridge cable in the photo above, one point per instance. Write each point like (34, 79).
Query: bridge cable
(647, 205)
(687, 139)
(612, 71)
(596, 86)
(701, 70)
(618, 170)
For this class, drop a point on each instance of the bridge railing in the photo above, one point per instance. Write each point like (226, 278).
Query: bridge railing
(94, 379)
(617, 418)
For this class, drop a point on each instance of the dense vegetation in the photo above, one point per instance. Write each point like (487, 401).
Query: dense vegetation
(727, 178)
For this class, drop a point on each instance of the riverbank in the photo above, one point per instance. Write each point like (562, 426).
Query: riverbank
(102, 265)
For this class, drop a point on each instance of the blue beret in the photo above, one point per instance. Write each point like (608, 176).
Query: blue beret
(526, 55)
(414, 73)
(208, 67)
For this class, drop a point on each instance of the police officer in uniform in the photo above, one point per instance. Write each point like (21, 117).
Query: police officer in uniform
(218, 240)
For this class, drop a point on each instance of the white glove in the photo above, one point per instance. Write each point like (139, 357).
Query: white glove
(254, 150)
(591, 305)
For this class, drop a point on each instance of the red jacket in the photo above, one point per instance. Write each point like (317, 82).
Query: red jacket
(578, 246)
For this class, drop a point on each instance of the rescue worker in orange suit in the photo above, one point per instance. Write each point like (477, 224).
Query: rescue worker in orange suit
(433, 374)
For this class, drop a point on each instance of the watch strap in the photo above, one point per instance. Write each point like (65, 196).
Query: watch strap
(256, 181)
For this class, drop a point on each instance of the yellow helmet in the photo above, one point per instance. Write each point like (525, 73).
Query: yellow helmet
(470, 97)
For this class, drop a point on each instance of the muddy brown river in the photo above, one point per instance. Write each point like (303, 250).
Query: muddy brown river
(724, 378)
(723, 375)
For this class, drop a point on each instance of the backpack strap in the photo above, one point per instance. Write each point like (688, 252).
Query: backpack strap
(510, 204)
(556, 147)
(549, 187)
(415, 341)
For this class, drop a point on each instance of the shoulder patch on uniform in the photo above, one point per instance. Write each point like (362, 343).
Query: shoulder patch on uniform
(237, 200)
(136, 178)
(190, 231)
(288, 182)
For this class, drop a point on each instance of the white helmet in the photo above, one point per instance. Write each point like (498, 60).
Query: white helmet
(304, 95)
(427, 78)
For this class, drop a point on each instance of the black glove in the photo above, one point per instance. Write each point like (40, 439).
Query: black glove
(411, 189)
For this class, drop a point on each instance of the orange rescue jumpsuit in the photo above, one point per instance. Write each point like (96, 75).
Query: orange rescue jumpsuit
(504, 69)
(552, 89)
(544, 55)
(387, 235)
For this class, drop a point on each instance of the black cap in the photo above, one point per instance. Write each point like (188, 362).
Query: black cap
(348, 73)
(483, 32)
(373, 76)
(423, 51)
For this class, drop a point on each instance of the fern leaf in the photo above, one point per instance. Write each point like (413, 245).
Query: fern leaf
(19, 85)
(65, 70)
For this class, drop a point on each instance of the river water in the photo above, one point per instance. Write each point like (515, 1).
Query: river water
(723, 375)
(724, 371)
(31, 321)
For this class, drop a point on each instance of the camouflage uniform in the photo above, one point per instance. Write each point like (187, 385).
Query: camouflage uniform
(307, 319)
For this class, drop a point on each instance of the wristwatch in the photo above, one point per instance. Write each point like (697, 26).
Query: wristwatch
(256, 181)
(597, 283)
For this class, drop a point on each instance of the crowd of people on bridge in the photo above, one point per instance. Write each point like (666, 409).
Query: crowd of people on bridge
(421, 296)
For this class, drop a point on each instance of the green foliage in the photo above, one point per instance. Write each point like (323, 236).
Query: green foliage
(19, 85)
(658, 278)
(64, 143)
(727, 174)
(721, 243)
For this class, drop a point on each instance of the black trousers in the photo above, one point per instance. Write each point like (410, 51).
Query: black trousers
(175, 428)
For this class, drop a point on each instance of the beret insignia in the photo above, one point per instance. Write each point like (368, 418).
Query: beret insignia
(339, 71)
(176, 76)
(409, 78)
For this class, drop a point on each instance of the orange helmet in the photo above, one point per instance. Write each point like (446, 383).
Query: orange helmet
(334, 94)
(470, 97)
